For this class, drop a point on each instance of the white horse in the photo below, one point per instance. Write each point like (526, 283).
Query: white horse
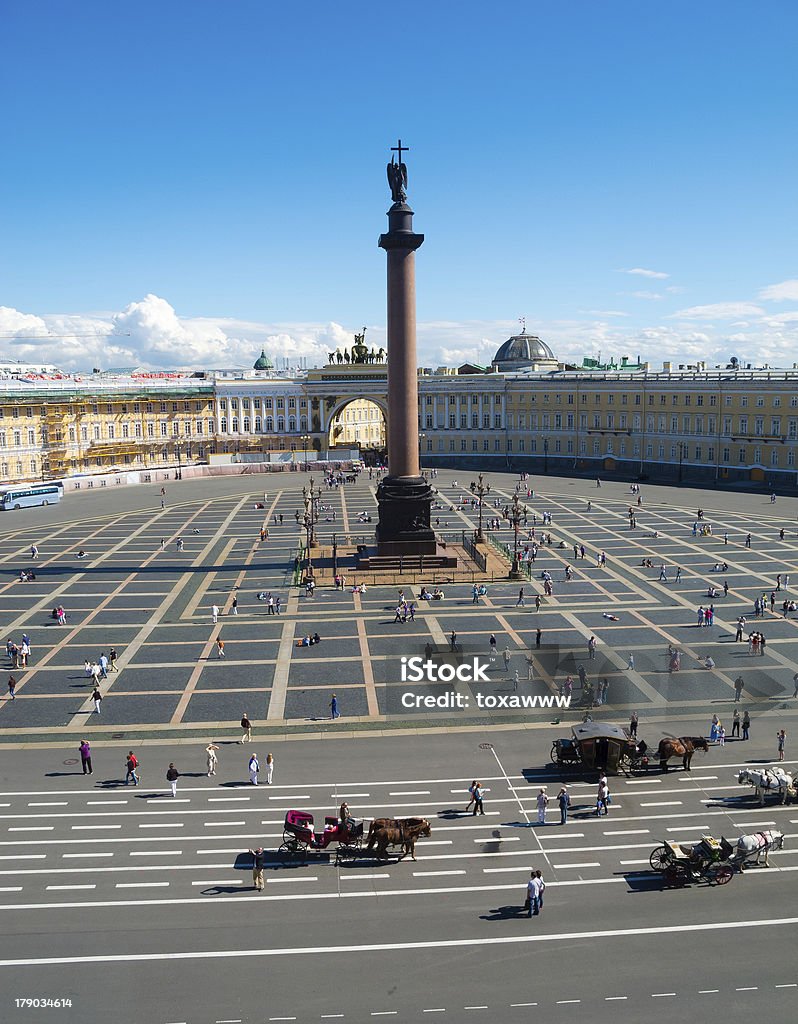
(767, 780)
(751, 849)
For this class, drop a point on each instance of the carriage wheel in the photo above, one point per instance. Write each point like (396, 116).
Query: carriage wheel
(290, 848)
(677, 874)
(723, 874)
(553, 756)
(660, 859)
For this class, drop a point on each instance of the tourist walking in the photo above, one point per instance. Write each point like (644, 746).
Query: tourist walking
(12, 686)
(631, 663)
(520, 598)
(219, 647)
(334, 712)
(746, 724)
(564, 801)
(795, 685)
(246, 725)
(258, 864)
(97, 697)
(211, 759)
(269, 769)
(533, 895)
(215, 613)
(602, 796)
(736, 724)
(633, 722)
(172, 775)
(478, 798)
(112, 656)
(542, 801)
(131, 764)
(253, 768)
(781, 738)
(471, 789)
(739, 683)
(85, 756)
(234, 607)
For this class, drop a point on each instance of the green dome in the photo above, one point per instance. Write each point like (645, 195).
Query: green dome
(263, 363)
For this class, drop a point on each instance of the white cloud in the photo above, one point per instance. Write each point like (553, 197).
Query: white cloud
(604, 312)
(785, 291)
(718, 311)
(642, 272)
(647, 295)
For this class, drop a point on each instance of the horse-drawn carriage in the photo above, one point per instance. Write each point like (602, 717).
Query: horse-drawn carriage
(713, 860)
(299, 835)
(682, 863)
(600, 746)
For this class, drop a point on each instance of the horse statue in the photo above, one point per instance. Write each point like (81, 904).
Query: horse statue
(339, 357)
(753, 848)
(330, 358)
(767, 780)
(381, 355)
(346, 355)
(683, 747)
(401, 834)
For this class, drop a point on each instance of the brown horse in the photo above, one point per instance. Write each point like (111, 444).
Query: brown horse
(683, 747)
(404, 836)
(381, 823)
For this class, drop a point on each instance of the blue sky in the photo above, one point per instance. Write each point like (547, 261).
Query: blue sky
(210, 177)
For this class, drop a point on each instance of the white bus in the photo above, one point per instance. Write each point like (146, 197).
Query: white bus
(33, 494)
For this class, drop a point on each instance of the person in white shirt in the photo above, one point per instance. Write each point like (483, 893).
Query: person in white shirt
(543, 800)
(533, 894)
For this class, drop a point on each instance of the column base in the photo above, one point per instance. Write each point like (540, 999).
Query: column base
(404, 517)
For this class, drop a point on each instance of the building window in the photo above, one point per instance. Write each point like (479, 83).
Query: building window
(791, 457)
(649, 451)
(698, 455)
(452, 419)
(125, 430)
(111, 432)
(463, 444)
(31, 437)
(760, 401)
(710, 454)
(744, 401)
(246, 424)
(258, 425)
(741, 455)
(726, 454)
(17, 438)
(164, 430)
(757, 455)
(137, 429)
(774, 457)
(150, 430)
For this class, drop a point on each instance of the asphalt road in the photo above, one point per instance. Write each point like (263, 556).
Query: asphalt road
(139, 907)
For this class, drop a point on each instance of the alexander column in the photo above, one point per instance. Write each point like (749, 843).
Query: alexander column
(404, 497)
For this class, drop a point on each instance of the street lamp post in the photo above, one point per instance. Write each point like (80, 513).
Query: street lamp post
(305, 439)
(516, 517)
(480, 490)
(420, 445)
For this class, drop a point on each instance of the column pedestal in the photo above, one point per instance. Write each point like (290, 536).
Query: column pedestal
(404, 512)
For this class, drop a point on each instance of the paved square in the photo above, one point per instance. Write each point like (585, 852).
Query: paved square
(137, 592)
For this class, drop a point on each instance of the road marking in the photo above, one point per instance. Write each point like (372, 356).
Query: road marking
(554, 835)
(475, 1007)
(641, 782)
(410, 792)
(65, 888)
(49, 803)
(101, 803)
(792, 984)
(225, 799)
(708, 991)
(752, 824)
(435, 1009)
(630, 832)
(93, 856)
(382, 1013)
(346, 796)
(750, 988)
(513, 1005)
(11, 888)
(612, 999)
(33, 828)
(663, 803)
(565, 1002)
(302, 878)
(435, 874)
(699, 778)
(143, 853)
(356, 878)
(589, 864)
(224, 881)
(93, 827)
(221, 824)
(683, 828)
(139, 885)
(629, 863)
(32, 856)
(294, 796)
(174, 800)
(498, 839)
(165, 824)
(661, 995)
